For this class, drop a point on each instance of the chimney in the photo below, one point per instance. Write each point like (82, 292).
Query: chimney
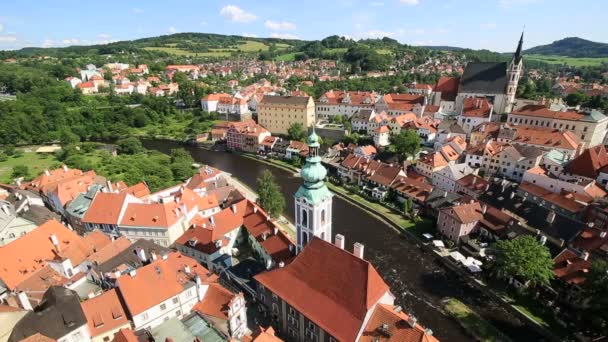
(339, 241)
(65, 168)
(46, 172)
(411, 320)
(275, 230)
(358, 250)
(212, 220)
(255, 209)
(281, 264)
(186, 269)
(585, 255)
(543, 240)
(428, 332)
(55, 242)
(133, 273)
(109, 185)
(484, 209)
(165, 256)
(141, 253)
(24, 301)
(153, 255)
(234, 208)
(474, 180)
(398, 309)
(603, 234)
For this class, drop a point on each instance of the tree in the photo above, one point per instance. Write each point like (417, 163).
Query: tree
(296, 132)
(596, 287)
(524, 258)
(575, 99)
(21, 171)
(406, 144)
(181, 155)
(408, 206)
(270, 196)
(130, 145)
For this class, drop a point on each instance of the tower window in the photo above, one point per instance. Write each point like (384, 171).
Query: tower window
(323, 216)
(304, 221)
(304, 238)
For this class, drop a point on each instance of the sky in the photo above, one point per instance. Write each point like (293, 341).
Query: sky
(478, 24)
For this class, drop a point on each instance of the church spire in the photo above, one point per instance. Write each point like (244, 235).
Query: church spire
(517, 56)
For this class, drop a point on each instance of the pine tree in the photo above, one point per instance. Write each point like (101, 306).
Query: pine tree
(270, 197)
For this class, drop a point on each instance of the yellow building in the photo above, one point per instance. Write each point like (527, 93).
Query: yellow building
(278, 113)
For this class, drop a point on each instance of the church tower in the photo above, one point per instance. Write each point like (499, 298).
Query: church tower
(514, 73)
(313, 200)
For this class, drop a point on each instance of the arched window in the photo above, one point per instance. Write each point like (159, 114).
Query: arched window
(323, 216)
(304, 239)
(304, 221)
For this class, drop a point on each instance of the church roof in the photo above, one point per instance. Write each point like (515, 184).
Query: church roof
(484, 77)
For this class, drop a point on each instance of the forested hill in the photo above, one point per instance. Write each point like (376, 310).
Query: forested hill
(572, 47)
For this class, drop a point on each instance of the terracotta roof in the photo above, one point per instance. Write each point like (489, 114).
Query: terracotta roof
(570, 267)
(544, 112)
(159, 215)
(158, 281)
(125, 335)
(357, 98)
(30, 253)
(138, 190)
(37, 283)
(38, 338)
(589, 162)
(104, 313)
(386, 324)
(448, 86)
(473, 183)
(385, 175)
(591, 239)
(476, 107)
(413, 187)
(434, 160)
(215, 303)
(547, 137)
(465, 213)
(267, 335)
(205, 174)
(105, 208)
(44, 182)
(325, 282)
(97, 239)
(565, 201)
(110, 250)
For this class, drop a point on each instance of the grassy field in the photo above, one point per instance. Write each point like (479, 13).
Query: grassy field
(572, 61)
(36, 162)
(473, 323)
(384, 51)
(245, 46)
(288, 57)
(170, 50)
(252, 46)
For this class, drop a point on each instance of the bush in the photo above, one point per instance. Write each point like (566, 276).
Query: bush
(21, 171)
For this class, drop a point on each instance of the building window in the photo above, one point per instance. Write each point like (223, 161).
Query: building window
(175, 299)
(163, 307)
(178, 313)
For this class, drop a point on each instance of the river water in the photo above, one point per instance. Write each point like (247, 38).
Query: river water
(415, 277)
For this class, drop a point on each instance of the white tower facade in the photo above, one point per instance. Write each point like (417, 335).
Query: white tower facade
(514, 73)
(313, 201)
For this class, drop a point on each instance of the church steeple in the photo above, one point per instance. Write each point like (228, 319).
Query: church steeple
(313, 200)
(517, 55)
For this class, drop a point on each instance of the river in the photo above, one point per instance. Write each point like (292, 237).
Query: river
(415, 277)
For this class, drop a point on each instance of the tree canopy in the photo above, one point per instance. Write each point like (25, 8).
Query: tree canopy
(270, 196)
(406, 144)
(524, 258)
(296, 132)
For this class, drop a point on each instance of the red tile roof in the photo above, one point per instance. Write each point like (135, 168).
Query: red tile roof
(158, 281)
(448, 86)
(386, 324)
(465, 213)
(589, 163)
(591, 239)
(476, 107)
(125, 335)
(110, 250)
(104, 313)
(570, 267)
(544, 112)
(215, 303)
(105, 208)
(325, 282)
(356, 97)
(413, 187)
(30, 253)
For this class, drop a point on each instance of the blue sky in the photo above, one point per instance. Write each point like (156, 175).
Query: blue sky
(490, 24)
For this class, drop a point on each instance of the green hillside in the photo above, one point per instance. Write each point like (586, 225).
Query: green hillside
(571, 47)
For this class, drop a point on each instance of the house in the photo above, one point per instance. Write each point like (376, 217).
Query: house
(390, 323)
(445, 92)
(345, 103)
(587, 190)
(206, 175)
(448, 129)
(591, 164)
(590, 127)
(12, 226)
(398, 104)
(267, 145)
(546, 139)
(87, 88)
(367, 151)
(425, 127)
(173, 286)
(246, 136)
(571, 267)
(419, 88)
(459, 220)
(105, 316)
(411, 188)
(381, 180)
(475, 111)
(510, 161)
(106, 211)
(446, 177)
(360, 120)
(51, 244)
(323, 282)
(232, 105)
(472, 185)
(381, 136)
(278, 113)
(484, 132)
(431, 163)
(59, 317)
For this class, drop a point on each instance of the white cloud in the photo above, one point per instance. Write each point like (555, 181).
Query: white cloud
(172, 30)
(236, 14)
(376, 34)
(70, 41)
(410, 2)
(376, 4)
(283, 35)
(103, 36)
(137, 10)
(7, 38)
(250, 35)
(488, 26)
(48, 43)
(280, 26)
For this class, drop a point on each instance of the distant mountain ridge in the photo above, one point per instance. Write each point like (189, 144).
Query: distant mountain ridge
(571, 47)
